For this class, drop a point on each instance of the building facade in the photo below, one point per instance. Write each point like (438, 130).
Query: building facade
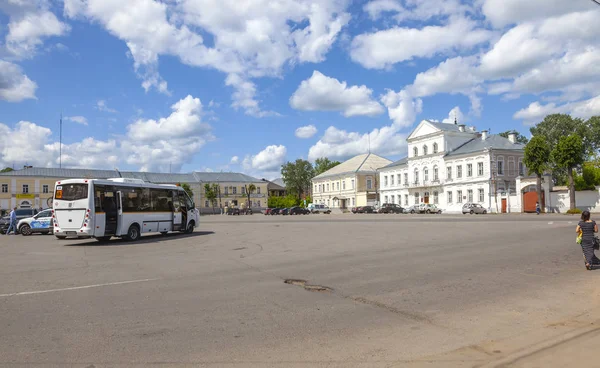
(450, 165)
(350, 184)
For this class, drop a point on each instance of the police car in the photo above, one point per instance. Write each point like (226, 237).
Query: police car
(40, 223)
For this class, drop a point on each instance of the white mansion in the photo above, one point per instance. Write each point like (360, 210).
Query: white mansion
(449, 165)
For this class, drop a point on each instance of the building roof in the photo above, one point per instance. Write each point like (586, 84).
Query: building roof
(166, 178)
(279, 181)
(492, 142)
(446, 127)
(401, 162)
(274, 185)
(367, 162)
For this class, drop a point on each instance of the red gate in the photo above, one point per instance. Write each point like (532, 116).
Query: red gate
(529, 200)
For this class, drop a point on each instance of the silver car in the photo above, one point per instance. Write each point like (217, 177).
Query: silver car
(473, 208)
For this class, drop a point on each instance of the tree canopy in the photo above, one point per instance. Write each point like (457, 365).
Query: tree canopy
(6, 169)
(297, 176)
(187, 189)
(520, 137)
(323, 164)
(569, 153)
(536, 159)
(556, 126)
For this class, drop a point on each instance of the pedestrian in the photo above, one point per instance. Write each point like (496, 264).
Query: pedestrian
(586, 229)
(13, 222)
(537, 208)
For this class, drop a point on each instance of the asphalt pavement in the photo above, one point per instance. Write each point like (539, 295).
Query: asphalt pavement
(303, 291)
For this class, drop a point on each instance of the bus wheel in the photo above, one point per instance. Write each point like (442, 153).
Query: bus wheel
(164, 233)
(190, 228)
(133, 233)
(103, 238)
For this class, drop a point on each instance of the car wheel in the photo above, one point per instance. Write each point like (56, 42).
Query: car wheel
(190, 228)
(428, 212)
(25, 230)
(484, 212)
(412, 212)
(471, 212)
(133, 233)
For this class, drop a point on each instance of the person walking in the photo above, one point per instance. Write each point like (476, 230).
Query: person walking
(537, 208)
(586, 229)
(13, 222)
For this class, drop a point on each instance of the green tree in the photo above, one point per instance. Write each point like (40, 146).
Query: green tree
(589, 178)
(568, 154)
(520, 137)
(210, 192)
(323, 164)
(536, 159)
(6, 169)
(249, 190)
(187, 189)
(297, 176)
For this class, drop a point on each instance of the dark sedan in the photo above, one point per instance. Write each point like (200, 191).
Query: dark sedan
(390, 208)
(284, 211)
(365, 209)
(298, 211)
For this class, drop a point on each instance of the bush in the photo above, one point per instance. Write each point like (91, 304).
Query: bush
(576, 211)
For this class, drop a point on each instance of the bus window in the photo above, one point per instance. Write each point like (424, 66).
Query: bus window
(71, 192)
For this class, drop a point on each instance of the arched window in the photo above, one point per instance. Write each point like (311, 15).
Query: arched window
(416, 176)
(415, 152)
(435, 148)
(424, 149)
(425, 174)
(435, 173)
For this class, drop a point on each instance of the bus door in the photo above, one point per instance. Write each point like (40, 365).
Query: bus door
(177, 216)
(111, 210)
(184, 208)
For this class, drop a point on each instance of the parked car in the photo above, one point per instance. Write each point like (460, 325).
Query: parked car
(296, 210)
(268, 211)
(473, 208)
(429, 208)
(390, 208)
(318, 208)
(40, 223)
(365, 209)
(275, 211)
(412, 209)
(233, 211)
(285, 211)
(246, 211)
(21, 214)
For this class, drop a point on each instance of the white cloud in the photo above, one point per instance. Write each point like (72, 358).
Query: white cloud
(377, 7)
(455, 75)
(323, 93)
(306, 132)
(14, 85)
(235, 160)
(382, 49)
(102, 106)
(402, 107)
(77, 119)
(505, 12)
(268, 160)
(244, 96)
(421, 10)
(150, 145)
(535, 112)
(454, 115)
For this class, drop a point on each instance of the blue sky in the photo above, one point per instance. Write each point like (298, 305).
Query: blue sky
(223, 85)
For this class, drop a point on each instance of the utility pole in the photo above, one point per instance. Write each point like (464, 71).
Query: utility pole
(60, 143)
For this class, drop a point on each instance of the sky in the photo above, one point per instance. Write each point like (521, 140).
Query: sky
(245, 86)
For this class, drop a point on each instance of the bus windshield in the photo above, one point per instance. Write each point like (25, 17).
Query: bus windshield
(71, 192)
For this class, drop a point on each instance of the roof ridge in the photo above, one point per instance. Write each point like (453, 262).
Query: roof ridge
(462, 145)
(362, 163)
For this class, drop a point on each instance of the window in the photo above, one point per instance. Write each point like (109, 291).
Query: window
(469, 170)
(226, 190)
(511, 166)
(258, 192)
(449, 173)
(328, 187)
(344, 185)
(500, 166)
(369, 183)
(406, 199)
(425, 174)
(385, 181)
(415, 152)
(392, 180)
(4, 188)
(435, 198)
(480, 168)
(386, 199)
(425, 149)
(417, 198)
(399, 199)
(26, 188)
(352, 183)
(316, 188)
(481, 196)
(416, 176)
(206, 204)
(337, 185)
(470, 195)
(459, 198)
(392, 199)
(435, 173)
(234, 191)
(435, 148)
(521, 168)
(258, 203)
(449, 196)
(353, 200)
(45, 188)
(243, 190)
(399, 181)
(406, 179)
(459, 171)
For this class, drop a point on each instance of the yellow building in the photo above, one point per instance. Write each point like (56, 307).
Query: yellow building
(232, 191)
(350, 184)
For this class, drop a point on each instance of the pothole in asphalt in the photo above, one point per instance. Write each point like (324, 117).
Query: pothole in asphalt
(303, 283)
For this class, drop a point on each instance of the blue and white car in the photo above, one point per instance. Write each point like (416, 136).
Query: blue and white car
(40, 223)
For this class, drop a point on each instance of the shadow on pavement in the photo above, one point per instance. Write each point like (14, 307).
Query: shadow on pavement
(154, 238)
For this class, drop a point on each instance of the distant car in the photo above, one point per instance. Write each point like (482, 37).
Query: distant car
(246, 211)
(275, 211)
(390, 208)
(473, 208)
(40, 223)
(268, 211)
(429, 208)
(285, 211)
(233, 211)
(296, 210)
(412, 209)
(365, 209)
(21, 214)
(318, 208)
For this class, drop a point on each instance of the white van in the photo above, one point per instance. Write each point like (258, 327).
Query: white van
(318, 208)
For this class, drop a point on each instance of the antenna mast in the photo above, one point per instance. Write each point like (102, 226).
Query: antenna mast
(60, 144)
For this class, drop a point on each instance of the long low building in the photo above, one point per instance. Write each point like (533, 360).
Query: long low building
(33, 187)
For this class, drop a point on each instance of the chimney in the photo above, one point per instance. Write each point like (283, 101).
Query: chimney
(461, 127)
(512, 137)
(484, 135)
(472, 129)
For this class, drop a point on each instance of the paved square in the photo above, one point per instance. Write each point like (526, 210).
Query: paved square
(397, 290)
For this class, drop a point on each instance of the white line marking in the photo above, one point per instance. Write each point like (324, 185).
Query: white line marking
(75, 288)
(550, 223)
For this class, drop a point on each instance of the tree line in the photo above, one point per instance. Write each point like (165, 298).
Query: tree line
(566, 147)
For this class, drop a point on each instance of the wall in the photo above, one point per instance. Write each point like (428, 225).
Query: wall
(559, 202)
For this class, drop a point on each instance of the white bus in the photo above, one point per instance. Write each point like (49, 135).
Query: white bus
(126, 208)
